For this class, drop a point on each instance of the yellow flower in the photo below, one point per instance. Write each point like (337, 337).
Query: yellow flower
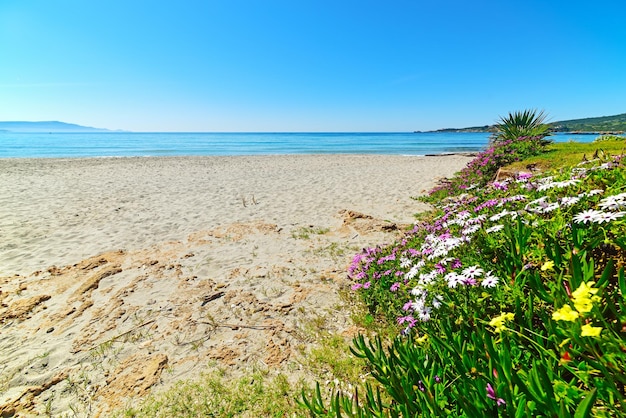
(498, 321)
(584, 289)
(422, 339)
(589, 331)
(548, 265)
(566, 313)
(584, 296)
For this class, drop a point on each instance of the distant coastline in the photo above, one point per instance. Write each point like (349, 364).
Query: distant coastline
(47, 126)
(603, 125)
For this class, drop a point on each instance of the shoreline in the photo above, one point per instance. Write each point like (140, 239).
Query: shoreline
(330, 155)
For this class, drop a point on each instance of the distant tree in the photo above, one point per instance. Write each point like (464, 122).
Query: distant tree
(524, 124)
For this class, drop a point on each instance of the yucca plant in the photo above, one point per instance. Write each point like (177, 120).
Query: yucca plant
(521, 124)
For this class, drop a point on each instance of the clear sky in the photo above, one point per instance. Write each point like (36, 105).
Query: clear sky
(300, 65)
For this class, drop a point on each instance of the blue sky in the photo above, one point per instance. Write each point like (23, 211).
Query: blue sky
(299, 65)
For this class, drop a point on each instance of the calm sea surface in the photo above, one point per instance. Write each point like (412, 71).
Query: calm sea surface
(123, 144)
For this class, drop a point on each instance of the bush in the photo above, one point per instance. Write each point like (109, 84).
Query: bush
(521, 124)
(482, 169)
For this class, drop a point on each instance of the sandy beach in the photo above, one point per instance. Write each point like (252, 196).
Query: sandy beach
(120, 276)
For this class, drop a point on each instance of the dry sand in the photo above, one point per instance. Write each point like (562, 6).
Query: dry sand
(119, 276)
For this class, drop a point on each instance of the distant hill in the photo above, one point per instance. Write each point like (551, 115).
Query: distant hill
(616, 124)
(602, 124)
(486, 128)
(51, 126)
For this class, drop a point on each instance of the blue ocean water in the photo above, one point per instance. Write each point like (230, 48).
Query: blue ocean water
(124, 144)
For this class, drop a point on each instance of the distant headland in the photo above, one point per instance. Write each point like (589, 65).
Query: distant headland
(50, 126)
(598, 125)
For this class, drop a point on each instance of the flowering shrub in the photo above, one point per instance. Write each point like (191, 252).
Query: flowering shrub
(483, 168)
(509, 299)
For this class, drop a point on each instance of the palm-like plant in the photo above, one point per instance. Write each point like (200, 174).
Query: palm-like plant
(528, 123)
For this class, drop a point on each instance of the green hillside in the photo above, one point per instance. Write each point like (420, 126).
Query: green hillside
(602, 124)
(615, 123)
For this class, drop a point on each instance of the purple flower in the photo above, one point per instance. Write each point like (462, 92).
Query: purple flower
(394, 287)
(499, 186)
(408, 319)
(468, 281)
(356, 286)
(367, 285)
(491, 394)
(414, 252)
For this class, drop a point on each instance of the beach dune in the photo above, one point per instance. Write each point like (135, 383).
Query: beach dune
(111, 267)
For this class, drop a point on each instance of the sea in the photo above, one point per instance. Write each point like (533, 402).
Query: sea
(135, 144)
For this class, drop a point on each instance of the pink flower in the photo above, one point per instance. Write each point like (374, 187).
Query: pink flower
(491, 394)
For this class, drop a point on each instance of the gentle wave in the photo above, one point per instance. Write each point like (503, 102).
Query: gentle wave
(123, 144)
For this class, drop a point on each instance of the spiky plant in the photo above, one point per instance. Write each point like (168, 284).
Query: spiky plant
(527, 123)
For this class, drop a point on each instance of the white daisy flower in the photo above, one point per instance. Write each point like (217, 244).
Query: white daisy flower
(569, 200)
(489, 280)
(614, 202)
(590, 215)
(471, 229)
(499, 216)
(418, 292)
(495, 228)
(424, 314)
(594, 192)
(427, 278)
(550, 207)
(453, 279)
(609, 216)
(412, 272)
(473, 271)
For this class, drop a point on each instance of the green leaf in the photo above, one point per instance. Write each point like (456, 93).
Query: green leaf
(584, 408)
(521, 411)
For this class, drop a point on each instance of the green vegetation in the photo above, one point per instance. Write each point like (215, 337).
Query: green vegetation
(508, 300)
(305, 232)
(506, 148)
(527, 123)
(616, 123)
(567, 154)
(260, 391)
(253, 395)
